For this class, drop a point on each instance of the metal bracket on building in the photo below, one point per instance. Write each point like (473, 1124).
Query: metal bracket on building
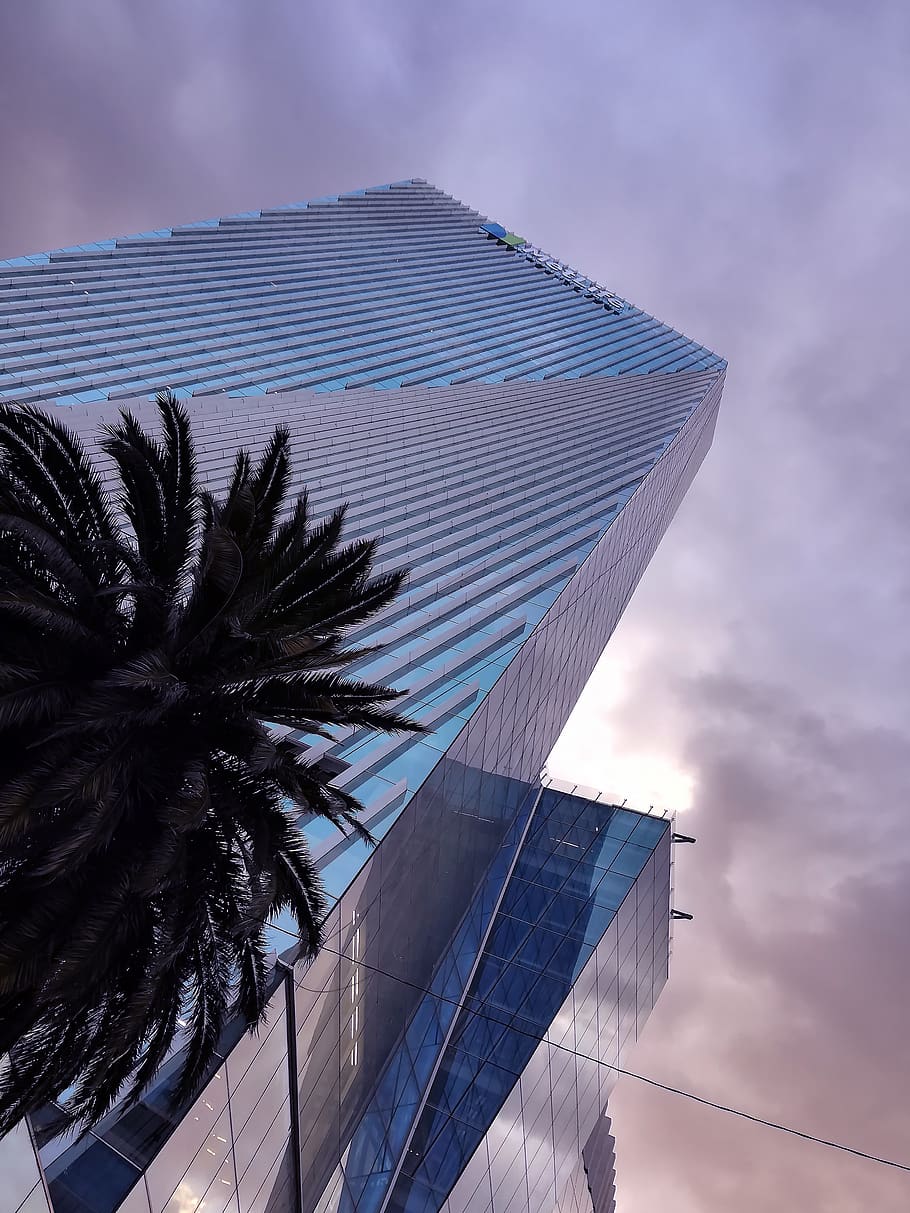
(681, 914)
(681, 838)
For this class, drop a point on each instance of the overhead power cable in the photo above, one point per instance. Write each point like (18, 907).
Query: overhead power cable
(651, 1082)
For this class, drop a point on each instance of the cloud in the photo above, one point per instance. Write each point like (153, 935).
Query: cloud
(788, 992)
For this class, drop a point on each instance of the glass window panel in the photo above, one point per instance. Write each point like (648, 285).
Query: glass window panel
(648, 831)
(415, 1198)
(424, 1026)
(515, 1048)
(583, 880)
(566, 913)
(18, 1165)
(178, 1152)
(265, 1160)
(249, 1135)
(424, 1061)
(540, 1005)
(604, 850)
(612, 890)
(621, 823)
(401, 1121)
(251, 1077)
(488, 973)
(508, 1172)
(96, 1179)
(539, 948)
(36, 1202)
(544, 868)
(446, 1157)
(630, 860)
(213, 1162)
(138, 1132)
(456, 1074)
(485, 1096)
(507, 936)
(367, 1142)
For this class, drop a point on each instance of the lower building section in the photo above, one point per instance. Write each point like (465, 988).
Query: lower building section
(465, 1076)
(500, 1070)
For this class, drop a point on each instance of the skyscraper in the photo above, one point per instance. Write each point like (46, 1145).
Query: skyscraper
(521, 437)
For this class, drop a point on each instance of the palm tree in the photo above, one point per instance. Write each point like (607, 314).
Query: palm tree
(147, 813)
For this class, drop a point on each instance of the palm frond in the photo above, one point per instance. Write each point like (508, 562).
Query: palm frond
(148, 817)
(44, 469)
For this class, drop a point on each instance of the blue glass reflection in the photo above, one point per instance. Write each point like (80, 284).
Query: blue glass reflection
(560, 895)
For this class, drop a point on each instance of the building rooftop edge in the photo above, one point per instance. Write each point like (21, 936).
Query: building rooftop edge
(107, 244)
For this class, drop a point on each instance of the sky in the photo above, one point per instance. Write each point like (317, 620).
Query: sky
(742, 171)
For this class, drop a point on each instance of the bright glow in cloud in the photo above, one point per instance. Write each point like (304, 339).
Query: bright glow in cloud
(596, 749)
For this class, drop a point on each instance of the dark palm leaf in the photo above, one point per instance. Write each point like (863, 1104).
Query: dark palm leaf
(148, 816)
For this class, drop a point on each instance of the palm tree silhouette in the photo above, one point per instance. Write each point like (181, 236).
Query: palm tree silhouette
(147, 813)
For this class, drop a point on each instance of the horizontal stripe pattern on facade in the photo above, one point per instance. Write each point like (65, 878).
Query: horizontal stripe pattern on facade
(386, 288)
(492, 495)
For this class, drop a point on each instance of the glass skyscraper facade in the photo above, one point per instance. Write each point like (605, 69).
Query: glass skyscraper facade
(520, 438)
